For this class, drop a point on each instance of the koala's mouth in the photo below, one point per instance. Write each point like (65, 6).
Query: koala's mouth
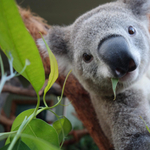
(129, 76)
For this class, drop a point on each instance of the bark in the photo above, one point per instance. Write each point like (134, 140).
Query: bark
(73, 90)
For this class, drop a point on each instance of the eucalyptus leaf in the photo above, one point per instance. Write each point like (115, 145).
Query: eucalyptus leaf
(54, 69)
(18, 146)
(19, 119)
(63, 127)
(37, 128)
(15, 38)
(39, 144)
(145, 125)
(114, 85)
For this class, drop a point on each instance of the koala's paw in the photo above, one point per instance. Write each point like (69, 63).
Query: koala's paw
(139, 142)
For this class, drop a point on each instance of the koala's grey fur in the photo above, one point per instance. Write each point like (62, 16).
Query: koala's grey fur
(119, 119)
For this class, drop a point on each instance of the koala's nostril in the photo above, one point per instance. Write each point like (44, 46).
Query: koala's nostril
(132, 65)
(120, 72)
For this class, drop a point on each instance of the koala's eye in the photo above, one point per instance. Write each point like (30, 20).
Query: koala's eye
(87, 57)
(131, 30)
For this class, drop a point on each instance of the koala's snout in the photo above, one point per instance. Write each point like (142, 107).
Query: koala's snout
(116, 54)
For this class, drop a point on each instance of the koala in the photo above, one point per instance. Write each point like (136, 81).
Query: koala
(111, 41)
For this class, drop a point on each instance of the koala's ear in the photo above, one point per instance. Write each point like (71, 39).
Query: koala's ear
(58, 39)
(139, 7)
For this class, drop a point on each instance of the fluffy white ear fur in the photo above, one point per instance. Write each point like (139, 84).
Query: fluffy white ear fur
(139, 7)
(64, 65)
(43, 49)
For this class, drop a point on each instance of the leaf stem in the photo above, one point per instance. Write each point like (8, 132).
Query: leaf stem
(4, 77)
(6, 134)
(11, 63)
(2, 66)
(65, 84)
(44, 101)
(17, 134)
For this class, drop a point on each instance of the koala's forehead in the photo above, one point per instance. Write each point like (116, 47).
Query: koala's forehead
(101, 25)
(105, 21)
(102, 15)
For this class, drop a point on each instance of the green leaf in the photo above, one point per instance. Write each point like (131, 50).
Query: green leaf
(54, 69)
(145, 125)
(40, 129)
(15, 38)
(18, 146)
(19, 119)
(39, 144)
(114, 85)
(63, 127)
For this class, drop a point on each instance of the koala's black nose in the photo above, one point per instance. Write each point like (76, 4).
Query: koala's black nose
(116, 54)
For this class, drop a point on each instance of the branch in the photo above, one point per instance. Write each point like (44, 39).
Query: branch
(18, 90)
(5, 121)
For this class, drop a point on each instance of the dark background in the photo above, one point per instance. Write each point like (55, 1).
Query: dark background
(60, 12)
